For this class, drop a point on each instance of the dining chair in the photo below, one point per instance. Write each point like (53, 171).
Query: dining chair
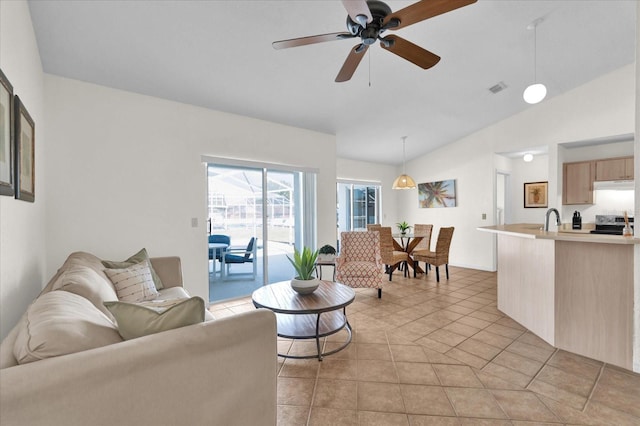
(391, 258)
(440, 256)
(373, 227)
(425, 243)
(359, 263)
(238, 255)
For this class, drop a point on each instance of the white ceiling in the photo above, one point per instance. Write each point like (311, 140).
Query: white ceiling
(218, 54)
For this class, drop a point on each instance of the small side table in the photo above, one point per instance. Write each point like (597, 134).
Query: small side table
(321, 263)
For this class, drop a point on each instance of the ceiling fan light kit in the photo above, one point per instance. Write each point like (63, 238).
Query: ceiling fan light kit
(535, 92)
(368, 19)
(404, 181)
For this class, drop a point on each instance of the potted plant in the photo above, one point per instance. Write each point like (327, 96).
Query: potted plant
(403, 227)
(304, 263)
(327, 253)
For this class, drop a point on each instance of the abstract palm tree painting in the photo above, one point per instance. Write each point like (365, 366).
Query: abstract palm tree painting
(437, 194)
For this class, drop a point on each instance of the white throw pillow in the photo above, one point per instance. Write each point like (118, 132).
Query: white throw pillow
(86, 282)
(59, 323)
(133, 284)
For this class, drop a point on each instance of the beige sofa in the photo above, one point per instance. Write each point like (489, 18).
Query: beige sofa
(216, 372)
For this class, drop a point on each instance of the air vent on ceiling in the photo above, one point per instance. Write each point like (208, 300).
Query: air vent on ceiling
(498, 88)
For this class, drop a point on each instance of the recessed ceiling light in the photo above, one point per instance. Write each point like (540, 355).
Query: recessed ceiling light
(528, 158)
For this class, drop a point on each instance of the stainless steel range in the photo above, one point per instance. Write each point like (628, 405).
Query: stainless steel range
(610, 224)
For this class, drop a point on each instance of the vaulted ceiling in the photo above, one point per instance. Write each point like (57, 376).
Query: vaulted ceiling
(218, 55)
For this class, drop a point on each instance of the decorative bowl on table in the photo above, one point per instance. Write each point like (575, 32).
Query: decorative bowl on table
(304, 286)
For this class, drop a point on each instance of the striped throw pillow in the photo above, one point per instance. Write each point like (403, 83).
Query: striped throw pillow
(133, 284)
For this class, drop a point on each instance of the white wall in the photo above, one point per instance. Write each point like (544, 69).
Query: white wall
(603, 107)
(126, 172)
(523, 172)
(22, 231)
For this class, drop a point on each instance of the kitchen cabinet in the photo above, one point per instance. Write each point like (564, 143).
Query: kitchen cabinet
(577, 182)
(614, 169)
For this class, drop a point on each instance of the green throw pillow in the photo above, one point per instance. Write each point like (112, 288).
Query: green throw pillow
(136, 258)
(135, 320)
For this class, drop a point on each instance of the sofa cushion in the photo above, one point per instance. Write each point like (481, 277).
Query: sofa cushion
(59, 323)
(86, 282)
(133, 284)
(137, 320)
(136, 258)
(360, 269)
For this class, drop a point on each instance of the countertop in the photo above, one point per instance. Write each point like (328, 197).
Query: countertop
(534, 230)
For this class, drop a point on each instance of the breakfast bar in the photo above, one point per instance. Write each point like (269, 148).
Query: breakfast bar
(573, 290)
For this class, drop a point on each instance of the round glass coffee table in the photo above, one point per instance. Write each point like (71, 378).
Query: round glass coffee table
(310, 316)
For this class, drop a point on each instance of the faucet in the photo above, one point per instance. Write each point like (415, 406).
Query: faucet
(546, 218)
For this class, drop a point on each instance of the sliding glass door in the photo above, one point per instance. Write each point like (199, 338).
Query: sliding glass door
(258, 213)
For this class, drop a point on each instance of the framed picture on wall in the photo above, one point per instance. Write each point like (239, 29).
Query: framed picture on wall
(437, 194)
(24, 144)
(6, 136)
(535, 195)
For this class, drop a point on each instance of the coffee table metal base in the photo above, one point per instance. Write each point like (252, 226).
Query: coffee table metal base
(313, 326)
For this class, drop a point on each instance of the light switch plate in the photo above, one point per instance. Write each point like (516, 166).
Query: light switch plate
(194, 222)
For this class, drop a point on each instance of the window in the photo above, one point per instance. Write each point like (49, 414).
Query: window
(358, 205)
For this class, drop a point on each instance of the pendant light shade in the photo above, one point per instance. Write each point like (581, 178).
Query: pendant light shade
(535, 92)
(404, 181)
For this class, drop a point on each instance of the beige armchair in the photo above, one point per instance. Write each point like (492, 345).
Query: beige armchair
(441, 255)
(359, 263)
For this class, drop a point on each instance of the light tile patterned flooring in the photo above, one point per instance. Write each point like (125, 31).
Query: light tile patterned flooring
(442, 354)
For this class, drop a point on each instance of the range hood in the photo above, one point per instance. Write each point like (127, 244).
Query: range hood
(614, 185)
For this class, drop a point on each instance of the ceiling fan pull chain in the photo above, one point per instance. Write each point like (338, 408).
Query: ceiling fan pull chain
(369, 68)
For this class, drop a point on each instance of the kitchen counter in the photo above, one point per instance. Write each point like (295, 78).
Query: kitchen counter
(573, 290)
(534, 230)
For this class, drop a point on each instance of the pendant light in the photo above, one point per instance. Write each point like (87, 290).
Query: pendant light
(404, 181)
(536, 91)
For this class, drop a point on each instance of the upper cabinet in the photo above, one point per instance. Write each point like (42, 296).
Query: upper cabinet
(614, 169)
(578, 177)
(577, 182)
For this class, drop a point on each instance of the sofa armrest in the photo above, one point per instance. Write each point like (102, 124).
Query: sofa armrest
(169, 269)
(219, 372)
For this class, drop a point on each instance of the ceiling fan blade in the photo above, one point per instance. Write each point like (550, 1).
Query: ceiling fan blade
(356, 8)
(303, 41)
(409, 51)
(352, 62)
(422, 10)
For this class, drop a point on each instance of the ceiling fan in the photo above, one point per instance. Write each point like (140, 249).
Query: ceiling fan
(368, 19)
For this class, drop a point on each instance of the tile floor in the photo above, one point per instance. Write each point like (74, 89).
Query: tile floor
(442, 354)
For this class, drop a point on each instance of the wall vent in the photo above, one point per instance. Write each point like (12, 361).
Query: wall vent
(498, 87)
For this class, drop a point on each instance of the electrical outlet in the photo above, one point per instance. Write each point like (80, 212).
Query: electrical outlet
(484, 216)
(194, 222)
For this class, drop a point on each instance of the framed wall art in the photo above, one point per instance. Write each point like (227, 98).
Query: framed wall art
(437, 194)
(535, 195)
(24, 137)
(6, 137)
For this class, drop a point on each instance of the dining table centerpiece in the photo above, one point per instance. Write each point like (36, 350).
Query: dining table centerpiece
(403, 227)
(304, 262)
